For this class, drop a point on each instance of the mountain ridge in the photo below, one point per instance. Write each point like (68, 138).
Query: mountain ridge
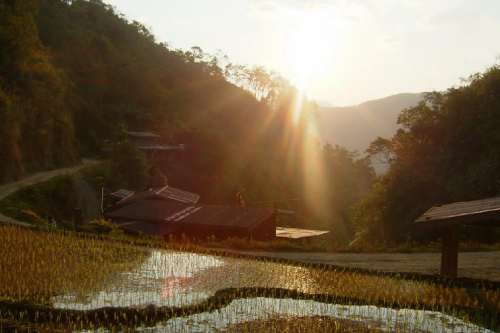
(355, 127)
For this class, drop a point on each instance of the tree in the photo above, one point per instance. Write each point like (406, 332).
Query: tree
(382, 151)
(37, 129)
(129, 167)
(346, 179)
(446, 151)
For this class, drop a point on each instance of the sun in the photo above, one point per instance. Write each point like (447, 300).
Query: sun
(308, 50)
(308, 47)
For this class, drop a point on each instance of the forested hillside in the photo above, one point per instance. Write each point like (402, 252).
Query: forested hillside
(446, 151)
(72, 73)
(76, 73)
(36, 127)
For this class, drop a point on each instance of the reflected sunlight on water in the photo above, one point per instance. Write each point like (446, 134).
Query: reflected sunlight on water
(163, 280)
(169, 278)
(262, 309)
(376, 318)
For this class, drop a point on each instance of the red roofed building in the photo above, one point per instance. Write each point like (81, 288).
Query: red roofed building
(163, 218)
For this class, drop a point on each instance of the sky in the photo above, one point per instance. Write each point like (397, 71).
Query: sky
(344, 52)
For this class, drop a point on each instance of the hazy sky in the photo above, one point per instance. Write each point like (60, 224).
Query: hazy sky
(342, 51)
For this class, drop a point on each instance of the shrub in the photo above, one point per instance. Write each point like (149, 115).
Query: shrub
(34, 203)
(98, 175)
(103, 226)
(31, 217)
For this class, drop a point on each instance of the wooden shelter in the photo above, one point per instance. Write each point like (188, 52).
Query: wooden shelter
(450, 217)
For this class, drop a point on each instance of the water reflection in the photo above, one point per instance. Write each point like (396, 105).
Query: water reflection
(170, 278)
(375, 318)
(164, 279)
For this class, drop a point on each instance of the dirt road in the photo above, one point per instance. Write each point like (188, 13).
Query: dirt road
(8, 189)
(476, 265)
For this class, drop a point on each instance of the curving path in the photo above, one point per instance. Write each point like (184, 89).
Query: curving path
(9, 188)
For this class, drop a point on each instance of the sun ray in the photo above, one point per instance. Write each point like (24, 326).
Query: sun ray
(309, 46)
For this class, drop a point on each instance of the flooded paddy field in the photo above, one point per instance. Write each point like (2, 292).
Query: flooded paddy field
(153, 290)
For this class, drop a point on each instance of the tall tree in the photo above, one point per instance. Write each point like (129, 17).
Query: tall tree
(445, 152)
(37, 129)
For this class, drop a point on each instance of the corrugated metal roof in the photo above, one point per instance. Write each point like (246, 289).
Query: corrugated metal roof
(175, 194)
(146, 210)
(163, 193)
(478, 212)
(152, 229)
(151, 146)
(186, 214)
(158, 147)
(294, 233)
(137, 196)
(121, 194)
(229, 216)
(285, 212)
(145, 143)
(143, 135)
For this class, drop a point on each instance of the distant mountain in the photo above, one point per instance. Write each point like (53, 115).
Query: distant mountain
(324, 104)
(355, 127)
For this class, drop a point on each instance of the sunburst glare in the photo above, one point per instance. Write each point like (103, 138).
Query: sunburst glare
(309, 46)
(309, 146)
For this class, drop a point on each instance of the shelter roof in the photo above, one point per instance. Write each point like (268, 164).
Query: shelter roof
(285, 212)
(190, 214)
(476, 212)
(158, 147)
(294, 233)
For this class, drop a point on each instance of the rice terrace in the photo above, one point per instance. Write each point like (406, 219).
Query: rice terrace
(336, 171)
(60, 281)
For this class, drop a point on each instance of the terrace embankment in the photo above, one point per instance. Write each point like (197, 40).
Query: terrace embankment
(474, 265)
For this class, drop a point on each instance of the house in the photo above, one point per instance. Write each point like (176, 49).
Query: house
(155, 216)
(148, 143)
(166, 211)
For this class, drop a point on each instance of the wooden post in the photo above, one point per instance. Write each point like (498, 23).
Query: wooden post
(449, 254)
(78, 218)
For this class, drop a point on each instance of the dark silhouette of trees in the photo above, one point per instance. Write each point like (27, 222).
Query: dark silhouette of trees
(36, 131)
(70, 71)
(446, 151)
